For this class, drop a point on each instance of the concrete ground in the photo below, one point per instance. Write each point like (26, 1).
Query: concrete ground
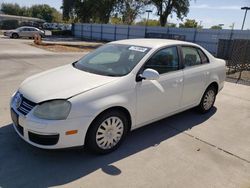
(185, 150)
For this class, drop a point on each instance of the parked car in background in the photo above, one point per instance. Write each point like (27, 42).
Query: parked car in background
(25, 31)
(57, 26)
(117, 88)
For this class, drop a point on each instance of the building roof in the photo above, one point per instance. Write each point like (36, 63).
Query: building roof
(20, 18)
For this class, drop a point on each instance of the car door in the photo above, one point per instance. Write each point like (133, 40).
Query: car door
(157, 98)
(196, 66)
(21, 32)
(32, 32)
(24, 32)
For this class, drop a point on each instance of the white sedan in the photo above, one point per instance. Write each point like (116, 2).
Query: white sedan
(24, 31)
(117, 88)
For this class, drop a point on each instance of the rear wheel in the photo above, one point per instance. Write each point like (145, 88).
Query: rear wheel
(15, 35)
(207, 100)
(107, 132)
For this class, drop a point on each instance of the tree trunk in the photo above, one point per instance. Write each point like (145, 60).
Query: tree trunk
(105, 19)
(163, 20)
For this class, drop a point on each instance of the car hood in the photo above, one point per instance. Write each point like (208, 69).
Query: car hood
(11, 31)
(61, 83)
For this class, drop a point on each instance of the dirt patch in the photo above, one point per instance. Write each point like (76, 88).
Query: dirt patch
(66, 47)
(234, 77)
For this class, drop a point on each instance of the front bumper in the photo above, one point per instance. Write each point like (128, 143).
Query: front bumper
(6, 34)
(50, 134)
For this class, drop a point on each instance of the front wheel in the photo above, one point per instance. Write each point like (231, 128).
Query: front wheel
(15, 35)
(207, 100)
(107, 132)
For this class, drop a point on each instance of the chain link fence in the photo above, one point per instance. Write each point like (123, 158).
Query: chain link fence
(237, 54)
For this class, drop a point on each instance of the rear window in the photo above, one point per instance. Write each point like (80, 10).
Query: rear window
(203, 56)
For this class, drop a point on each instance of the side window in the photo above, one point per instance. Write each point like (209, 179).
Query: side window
(164, 60)
(191, 56)
(203, 56)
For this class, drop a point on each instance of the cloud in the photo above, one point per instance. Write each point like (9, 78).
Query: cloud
(205, 6)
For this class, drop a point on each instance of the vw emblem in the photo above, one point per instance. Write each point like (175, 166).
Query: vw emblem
(18, 100)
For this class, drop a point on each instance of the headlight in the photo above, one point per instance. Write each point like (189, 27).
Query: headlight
(53, 110)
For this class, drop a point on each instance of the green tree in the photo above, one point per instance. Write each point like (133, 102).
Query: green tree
(116, 20)
(216, 27)
(12, 9)
(150, 22)
(102, 10)
(171, 24)
(189, 23)
(56, 16)
(45, 12)
(67, 7)
(87, 11)
(9, 24)
(167, 7)
(130, 9)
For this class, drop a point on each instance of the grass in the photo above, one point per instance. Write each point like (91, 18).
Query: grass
(66, 47)
(233, 77)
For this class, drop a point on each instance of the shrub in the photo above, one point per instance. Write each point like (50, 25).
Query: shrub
(61, 32)
(9, 24)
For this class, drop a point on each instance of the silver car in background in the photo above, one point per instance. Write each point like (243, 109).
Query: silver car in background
(25, 31)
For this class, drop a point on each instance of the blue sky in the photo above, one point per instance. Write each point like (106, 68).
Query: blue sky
(210, 12)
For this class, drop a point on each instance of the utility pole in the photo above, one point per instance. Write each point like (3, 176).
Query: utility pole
(146, 25)
(148, 11)
(232, 26)
(200, 23)
(244, 19)
(232, 29)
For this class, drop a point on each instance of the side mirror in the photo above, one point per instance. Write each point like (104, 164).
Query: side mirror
(149, 74)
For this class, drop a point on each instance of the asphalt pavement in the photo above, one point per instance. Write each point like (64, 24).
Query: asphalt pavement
(185, 150)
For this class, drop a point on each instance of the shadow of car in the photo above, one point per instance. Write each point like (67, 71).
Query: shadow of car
(25, 165)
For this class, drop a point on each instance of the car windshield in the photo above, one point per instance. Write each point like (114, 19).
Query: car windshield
(112, 59)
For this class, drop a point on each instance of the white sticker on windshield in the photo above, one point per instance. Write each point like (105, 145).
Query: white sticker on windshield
(138, 49)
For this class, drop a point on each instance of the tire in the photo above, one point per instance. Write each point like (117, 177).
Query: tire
(207, 100)
(15, 36)
(107, 132)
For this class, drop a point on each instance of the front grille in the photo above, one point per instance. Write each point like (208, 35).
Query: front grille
(26, 106)
(46, 140)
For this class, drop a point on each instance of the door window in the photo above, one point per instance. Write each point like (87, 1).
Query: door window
(31, 29)
(191, 56)
(164, 60)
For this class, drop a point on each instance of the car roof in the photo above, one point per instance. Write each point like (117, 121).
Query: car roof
(28, 27)
(152, 43)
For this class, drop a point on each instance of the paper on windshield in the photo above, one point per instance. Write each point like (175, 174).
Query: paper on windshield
(138, 49)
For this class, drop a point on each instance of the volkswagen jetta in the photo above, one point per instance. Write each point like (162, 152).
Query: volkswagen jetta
(117, 88)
